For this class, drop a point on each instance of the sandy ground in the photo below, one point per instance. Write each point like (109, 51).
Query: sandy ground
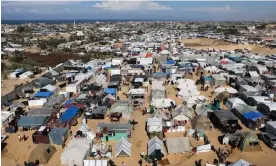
(18, 152)
(7, 85)
(204, 43)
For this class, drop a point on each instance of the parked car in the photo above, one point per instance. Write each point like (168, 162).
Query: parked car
(269, 140)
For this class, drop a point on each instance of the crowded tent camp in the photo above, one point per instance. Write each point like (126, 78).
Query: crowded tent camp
(157, 103)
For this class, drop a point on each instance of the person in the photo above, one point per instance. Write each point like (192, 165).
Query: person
(140, 162)
(123, 164)
(106, 138)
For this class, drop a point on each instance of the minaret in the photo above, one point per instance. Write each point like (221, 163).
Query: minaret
(74, 24)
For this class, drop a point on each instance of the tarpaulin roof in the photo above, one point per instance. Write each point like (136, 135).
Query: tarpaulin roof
(32, 121)
(40, 112)
(123, 148)
(178, 145)
(43, 94)
(170, 61)
(57, 136)
(253, 115)
(69, 114)
(69, 101)
(111, 91)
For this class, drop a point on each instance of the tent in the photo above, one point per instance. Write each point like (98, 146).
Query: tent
(159, 114)
(54, 101)
(76, 151)
(155, 124)
(40, 112)
(111, 91)
(162, 103)
(178, 145)
(123, 148)
(58, 136)
(124, 107)
(157, 94)
(249, 142)
(99, 112)
(94, 162)
(51, 88)
(228, 89)
(232, 102)
(156, 148)
(241, 162)
(203, 148)
(42, 153)
(32, 121)
(42, 94)
(181, 113)
(69, 114)
(200, 122)
(42, 81)
(16, 105)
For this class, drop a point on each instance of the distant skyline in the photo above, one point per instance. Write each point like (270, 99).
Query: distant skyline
(139, 10)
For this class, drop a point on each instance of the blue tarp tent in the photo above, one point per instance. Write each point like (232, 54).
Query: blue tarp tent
(170, 61)
(111, 91)
(32, 121)
(253, 115)
(207, 78)
(43, 94)
(69, 114)
(58, 136)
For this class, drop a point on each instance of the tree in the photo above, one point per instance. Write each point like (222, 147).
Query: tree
(20, 29)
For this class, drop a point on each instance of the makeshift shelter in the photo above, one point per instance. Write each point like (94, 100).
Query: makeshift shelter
(136, 96)
(249, 116)
(181, 113)
(54, 101)
(76, 151)
(178, 145)
(157, 94)
(51, 88)
(43, 94)
(156, 148)
(232, 102)
(111, 91)
(95, 162)
(32, 121)
(271, 127)
(99, 112)
(159, 114)
(123, 148)
(249, 142)
(42, 81)
(163, 103)
(16, 105)
(40, 112)
(158, 85)
(42, 153)
(201, 109)
(155, 127)
(240, 162)
(123, 107)
(201, 122)
(218, 79)
(69, 114)
(225, 120)
(58, 136)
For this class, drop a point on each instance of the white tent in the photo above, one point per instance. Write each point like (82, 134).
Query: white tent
(136, 91)
(240, 162)
(164, 52)
(203, 148)
(223, 89)
(185, 81)
(232, 102)
(94, 162)
(155, 124)
(76, 151)
(51, 88)
(178, 145)
(123, 148)
(35, 103)
(26, 75)
(195, 100)
(87, 132)
(162, 103)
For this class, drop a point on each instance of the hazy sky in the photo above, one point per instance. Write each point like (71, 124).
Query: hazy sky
(146, 9)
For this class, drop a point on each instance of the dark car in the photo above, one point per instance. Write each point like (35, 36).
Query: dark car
(269, 140)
